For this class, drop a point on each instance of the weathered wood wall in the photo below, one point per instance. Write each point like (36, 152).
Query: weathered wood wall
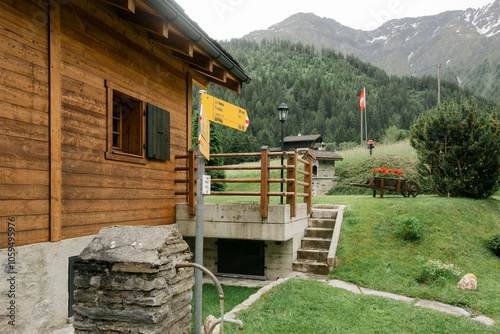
(96, 46)
(24, 119)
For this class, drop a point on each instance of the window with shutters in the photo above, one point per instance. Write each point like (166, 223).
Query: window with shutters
(137, 130)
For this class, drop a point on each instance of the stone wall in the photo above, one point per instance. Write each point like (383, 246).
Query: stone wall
(127, 282)
(326, 168)
(41, 285)
(321, 185)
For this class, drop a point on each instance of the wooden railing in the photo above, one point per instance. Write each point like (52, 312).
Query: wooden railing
(291, 180)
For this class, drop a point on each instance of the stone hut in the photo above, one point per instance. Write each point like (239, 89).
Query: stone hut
(324, 177)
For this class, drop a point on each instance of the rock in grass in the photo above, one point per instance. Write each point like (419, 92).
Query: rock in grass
(468, 282)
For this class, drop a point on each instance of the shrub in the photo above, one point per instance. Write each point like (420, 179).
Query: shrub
(493, 244)
(393, 135)
(459, 150)
(409, 228)
(437, 272)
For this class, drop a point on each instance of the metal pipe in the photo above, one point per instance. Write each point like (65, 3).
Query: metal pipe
(219, 289)
(283, 151)
(239, 323)
(206, 271)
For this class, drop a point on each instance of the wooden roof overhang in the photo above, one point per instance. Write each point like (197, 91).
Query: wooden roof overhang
(322, 155)
(166, 22)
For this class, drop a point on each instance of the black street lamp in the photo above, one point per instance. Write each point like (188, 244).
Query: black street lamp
(283, 114)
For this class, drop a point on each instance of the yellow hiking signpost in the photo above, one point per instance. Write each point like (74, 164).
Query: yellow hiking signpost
(211, 110)
(224, 113)
(204, 137)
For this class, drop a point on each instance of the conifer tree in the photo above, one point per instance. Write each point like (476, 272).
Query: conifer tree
(459, 150)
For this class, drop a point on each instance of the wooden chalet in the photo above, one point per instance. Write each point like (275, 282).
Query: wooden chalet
(95, 102)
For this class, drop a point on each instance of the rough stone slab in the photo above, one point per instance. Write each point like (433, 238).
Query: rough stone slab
(149, 245)
(458, 311)
(484, 320)
(115, 312)
(386, 295)
(344, 285)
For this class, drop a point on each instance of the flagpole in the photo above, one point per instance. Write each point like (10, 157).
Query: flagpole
(361, 127)
(362, 107)
(366, 122)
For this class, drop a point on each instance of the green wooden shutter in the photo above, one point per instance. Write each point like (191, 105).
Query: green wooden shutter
(158, 133)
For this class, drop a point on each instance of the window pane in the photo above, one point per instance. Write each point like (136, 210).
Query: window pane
(116, 125)
(127, 124)
(116, 141)
(116, 110)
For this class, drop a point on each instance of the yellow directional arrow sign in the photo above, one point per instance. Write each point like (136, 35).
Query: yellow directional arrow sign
(204, 139)
(224, 113)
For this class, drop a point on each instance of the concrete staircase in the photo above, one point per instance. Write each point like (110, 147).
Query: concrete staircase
(319, 244)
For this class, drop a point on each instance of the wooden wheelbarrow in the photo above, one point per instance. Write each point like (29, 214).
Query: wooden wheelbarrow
(406, 188)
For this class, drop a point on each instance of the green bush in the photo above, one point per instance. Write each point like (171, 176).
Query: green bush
(437, 272)
(409, 228)
(459, 150)
(493, 244)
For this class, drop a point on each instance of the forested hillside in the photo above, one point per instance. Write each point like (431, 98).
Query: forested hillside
(321, 89)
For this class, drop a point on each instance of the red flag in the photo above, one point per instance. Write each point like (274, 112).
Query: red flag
(362, 100)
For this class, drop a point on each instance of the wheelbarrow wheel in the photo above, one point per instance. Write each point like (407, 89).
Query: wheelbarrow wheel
(411, 189)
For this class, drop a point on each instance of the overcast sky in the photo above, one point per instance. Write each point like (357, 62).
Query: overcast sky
(225, 19)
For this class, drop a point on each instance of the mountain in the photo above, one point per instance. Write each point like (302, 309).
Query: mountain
(466, 43)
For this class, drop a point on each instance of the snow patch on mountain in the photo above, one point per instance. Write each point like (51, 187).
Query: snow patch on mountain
(486, 20)
(378, 39)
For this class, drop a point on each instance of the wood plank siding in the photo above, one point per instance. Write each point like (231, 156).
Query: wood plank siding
(57, 62)
(24, 118)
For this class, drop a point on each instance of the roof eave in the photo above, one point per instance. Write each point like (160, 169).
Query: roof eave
(198, 36)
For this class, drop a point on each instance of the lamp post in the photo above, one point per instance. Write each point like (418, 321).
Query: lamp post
(283, 114)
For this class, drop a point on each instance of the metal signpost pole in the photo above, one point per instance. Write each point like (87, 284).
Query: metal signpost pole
(198, 256)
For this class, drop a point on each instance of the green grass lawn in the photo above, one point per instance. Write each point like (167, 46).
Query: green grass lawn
(454, 231)
(233, 296)
(373, 256)
(302, 307)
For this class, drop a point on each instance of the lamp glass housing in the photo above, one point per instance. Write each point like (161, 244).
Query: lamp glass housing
(283, 112)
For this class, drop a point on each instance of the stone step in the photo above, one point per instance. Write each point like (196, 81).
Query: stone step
(312, 267)
(326, 206)
(324, 213)
(315, 232)
(312, 254)
(322, 223)
(317, 243)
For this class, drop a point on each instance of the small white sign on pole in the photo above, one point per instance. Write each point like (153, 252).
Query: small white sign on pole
(206, 185)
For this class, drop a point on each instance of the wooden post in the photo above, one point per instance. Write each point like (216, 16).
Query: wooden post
(382, 188)
(291, 186)
(191, 182)
(264, 182)
(189, 108)
(55, 85)
(439, 83)
(309, 188)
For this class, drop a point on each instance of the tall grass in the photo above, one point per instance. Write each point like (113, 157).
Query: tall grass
(354, 157)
